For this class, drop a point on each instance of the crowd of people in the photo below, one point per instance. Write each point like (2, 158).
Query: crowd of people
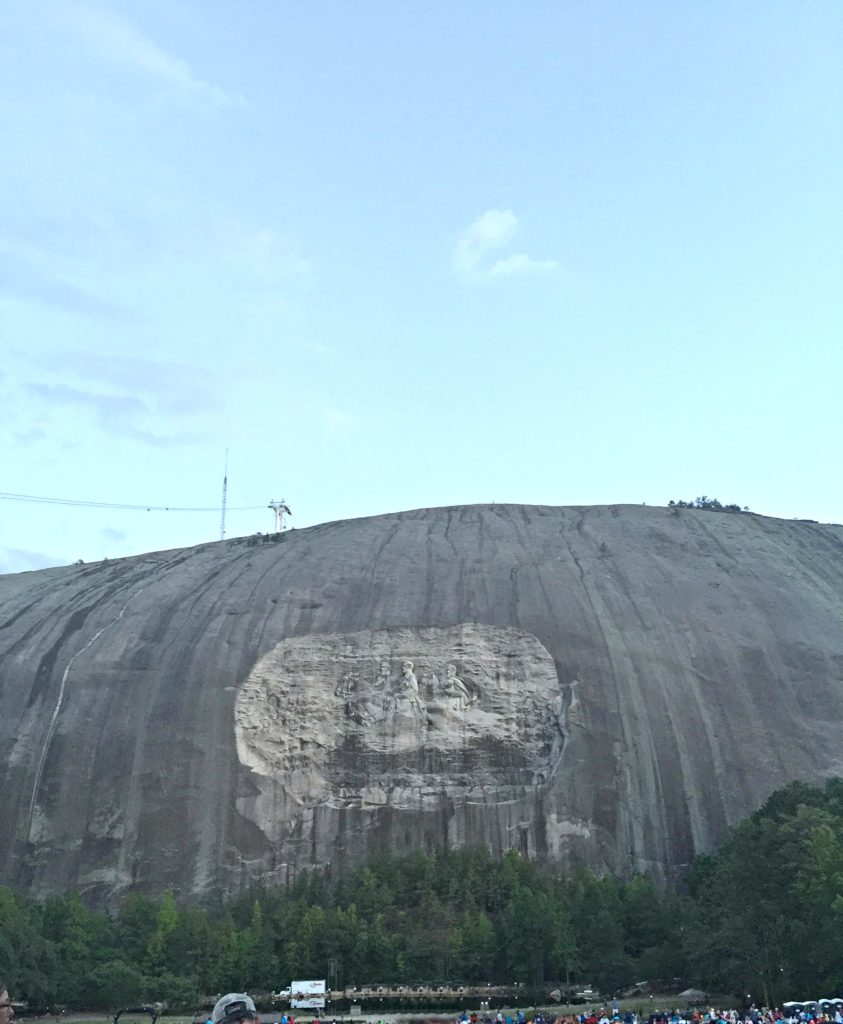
(828, 1012)
(239, 1008)
(790, 1013)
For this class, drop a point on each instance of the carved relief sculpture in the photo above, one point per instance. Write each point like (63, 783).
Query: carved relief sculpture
(406, 699)
(456, 691)
(357, 728)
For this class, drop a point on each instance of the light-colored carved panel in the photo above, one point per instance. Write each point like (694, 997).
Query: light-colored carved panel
(342, 716)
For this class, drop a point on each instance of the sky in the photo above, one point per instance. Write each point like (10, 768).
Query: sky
(394, 255)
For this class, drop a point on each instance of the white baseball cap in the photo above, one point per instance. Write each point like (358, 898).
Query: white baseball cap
(233, 1007)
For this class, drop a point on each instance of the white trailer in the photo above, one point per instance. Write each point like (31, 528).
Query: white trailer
(308, 995)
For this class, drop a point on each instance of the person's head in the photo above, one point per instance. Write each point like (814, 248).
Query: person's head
(234, 1007)
(6, 1011)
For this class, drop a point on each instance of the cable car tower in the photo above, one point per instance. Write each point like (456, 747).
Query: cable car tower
(224, 496)
(281, 509)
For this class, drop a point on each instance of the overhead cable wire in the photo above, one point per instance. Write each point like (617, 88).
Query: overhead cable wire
(78, 503)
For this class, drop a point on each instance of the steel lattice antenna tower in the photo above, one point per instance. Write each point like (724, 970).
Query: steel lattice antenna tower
(224, 495)
(280, 508)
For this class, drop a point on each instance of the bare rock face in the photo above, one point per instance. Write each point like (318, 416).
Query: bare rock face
(611, 686)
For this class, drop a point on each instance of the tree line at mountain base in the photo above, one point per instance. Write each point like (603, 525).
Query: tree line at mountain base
(761, 916)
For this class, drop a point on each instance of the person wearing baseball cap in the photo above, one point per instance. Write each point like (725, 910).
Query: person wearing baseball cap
(234, 1007)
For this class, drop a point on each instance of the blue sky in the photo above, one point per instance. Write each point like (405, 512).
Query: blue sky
(395, 255)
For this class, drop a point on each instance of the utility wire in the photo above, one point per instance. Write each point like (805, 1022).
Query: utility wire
(110, 504)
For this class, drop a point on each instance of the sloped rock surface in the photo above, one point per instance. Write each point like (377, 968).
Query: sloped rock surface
(612, 686)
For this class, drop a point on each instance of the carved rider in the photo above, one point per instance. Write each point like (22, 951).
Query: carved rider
(456, 689)
(407, 689)
(383, 674)
(347, 689)
(347, 685)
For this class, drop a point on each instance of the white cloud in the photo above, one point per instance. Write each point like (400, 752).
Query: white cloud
(473, 257)
(17, 560)
(118, 40)
(171, 388)
(263, 253)
(319, 348)
(156, 403)
(25, 275)
(338, 421)
(108, 533)
(25, 438)
(520, 263)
